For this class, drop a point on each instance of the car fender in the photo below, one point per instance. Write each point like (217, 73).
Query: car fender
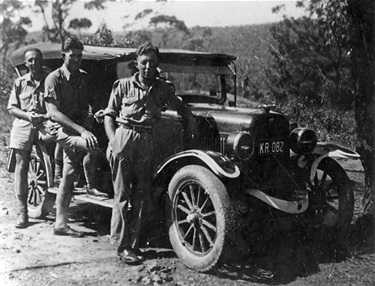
(220, 165)
(323, 150)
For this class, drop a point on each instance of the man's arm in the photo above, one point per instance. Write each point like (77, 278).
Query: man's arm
(51, 99)
(56, 115)
(110, 127)
(184, 112)
(111, 112)
(35, 118)
(14, 108)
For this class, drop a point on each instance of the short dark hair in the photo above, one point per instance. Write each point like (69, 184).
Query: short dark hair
(33, 50)
(72, 43)
(147, 48)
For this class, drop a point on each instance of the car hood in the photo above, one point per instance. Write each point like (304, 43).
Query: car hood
(229, 119)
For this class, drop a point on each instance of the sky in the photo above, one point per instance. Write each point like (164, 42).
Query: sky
(193, 13)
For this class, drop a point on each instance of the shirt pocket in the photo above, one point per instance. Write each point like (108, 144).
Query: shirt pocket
(26, 101)
(130, 106)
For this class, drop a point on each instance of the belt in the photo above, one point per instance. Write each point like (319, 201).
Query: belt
(136, 128)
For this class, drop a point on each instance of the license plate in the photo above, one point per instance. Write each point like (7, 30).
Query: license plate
(271, 147)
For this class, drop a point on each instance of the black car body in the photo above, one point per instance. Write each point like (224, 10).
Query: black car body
(247, 161)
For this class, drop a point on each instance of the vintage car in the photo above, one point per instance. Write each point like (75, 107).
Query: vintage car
(250, 169)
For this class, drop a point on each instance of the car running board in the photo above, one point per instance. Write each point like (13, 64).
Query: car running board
(81, 195)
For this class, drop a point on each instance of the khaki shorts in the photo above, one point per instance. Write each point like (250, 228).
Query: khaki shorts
(23, 134)
(74, 145)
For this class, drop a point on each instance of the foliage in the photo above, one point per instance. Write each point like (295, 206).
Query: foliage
(78, 24)
(311, 63)
(362, 37)
(102, 37)
(168, 26)
(12, 28)
(57, 31)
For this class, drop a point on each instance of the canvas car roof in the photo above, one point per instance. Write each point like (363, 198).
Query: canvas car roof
(168, 56)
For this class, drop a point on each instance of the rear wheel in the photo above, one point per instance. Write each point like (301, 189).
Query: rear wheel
(197, 215)
(40, 201)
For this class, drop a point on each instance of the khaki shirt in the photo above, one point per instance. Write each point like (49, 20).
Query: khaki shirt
(129, 100)
(27, 95)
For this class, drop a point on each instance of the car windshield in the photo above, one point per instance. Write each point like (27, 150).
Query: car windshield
(197, 84)
(195, 87)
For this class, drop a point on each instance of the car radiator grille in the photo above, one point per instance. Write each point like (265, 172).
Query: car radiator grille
(212, 144)
(268, 166)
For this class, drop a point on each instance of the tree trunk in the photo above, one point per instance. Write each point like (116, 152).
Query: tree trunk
(362, 15)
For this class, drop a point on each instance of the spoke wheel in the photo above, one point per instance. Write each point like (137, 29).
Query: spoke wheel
(197, 212)
(331, 195)
(40, 201)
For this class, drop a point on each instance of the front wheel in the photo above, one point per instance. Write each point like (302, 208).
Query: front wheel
(331, 195)
(197, 216)
(40, 202)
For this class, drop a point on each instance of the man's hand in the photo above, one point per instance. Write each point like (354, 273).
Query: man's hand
(91, 140)
(145, 120)
(99, 116)
(36, 119)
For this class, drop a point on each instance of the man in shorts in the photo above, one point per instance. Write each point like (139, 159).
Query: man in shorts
(70, 99)
(26, 104)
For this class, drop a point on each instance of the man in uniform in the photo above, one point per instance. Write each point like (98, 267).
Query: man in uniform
(134, 106)
(26, 104)
(69, 97)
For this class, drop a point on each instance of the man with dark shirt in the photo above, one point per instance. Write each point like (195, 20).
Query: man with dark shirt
(69, 97)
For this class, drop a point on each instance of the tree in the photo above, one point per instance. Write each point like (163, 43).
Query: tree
(339, 36)
(167, 26)
(102, 37)
(362, 36)
(12, 35)
(78, 24)
(12, 26)
(311, 64)
(57, 31)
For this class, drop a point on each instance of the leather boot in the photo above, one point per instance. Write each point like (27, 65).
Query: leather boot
(23, 220)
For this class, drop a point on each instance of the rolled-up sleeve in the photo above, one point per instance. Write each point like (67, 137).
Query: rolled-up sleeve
(177, 104)
(50, 89)
(13, 100)
(115, 99)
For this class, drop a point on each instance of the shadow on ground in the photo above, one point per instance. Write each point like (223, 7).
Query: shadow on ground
(279, 260)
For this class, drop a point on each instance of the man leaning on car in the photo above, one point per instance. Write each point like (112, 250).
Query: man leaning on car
(134, 106)
(69, 98)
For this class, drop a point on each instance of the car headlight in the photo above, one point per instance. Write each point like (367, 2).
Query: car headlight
(240, 144)
(303, 140)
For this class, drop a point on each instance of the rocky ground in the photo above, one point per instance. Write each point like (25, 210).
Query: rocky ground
(34, 256)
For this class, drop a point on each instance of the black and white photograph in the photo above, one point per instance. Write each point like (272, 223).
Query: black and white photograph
(187, 143)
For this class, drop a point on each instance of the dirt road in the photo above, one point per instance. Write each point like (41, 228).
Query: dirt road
(34, 256)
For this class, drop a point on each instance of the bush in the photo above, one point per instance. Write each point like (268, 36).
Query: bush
(330, 125)
(5, 118)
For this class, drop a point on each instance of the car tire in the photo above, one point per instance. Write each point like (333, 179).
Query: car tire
(331, 195)
(40, 201)
(197, 216)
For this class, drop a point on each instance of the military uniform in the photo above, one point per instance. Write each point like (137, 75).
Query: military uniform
(75, 98)
(130, 153)
(26, 95)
